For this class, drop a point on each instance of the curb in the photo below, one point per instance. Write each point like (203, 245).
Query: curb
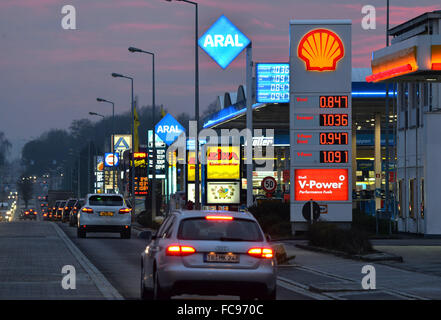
(372, 257)
(108, 291)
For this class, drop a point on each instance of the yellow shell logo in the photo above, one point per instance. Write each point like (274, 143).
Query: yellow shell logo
(321, 49)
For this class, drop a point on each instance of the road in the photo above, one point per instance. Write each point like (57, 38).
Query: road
(33, 254)
(36, 251)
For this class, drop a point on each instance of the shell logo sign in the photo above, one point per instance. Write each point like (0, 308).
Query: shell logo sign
(321, 184)
(321, 49)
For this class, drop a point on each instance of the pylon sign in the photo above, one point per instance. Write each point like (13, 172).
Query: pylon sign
(169, 129)
(223, 42)
(122, 142)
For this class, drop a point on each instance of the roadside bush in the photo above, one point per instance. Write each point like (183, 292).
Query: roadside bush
(328, 235)
(145, 219)
(274, 218)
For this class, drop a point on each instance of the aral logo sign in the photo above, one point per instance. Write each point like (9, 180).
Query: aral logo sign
(223, 42)
(321, 184)
(169, 129)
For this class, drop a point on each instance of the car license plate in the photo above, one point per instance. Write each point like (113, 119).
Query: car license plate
(222, 257)
(106, 213)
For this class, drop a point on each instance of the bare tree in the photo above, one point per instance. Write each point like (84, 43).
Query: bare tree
(25, 188)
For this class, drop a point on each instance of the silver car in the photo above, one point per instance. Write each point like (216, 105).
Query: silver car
(104, 213)
(208, 253)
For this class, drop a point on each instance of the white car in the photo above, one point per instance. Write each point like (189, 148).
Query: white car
(104, 213)
(208, 253)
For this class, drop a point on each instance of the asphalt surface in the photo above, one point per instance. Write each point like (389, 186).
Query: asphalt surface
(33, 253)
(119, 261)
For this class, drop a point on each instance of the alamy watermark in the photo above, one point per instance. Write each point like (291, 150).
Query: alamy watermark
(256, 149)
(69, 281)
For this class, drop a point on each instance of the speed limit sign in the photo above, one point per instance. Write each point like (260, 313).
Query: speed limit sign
(269, 184)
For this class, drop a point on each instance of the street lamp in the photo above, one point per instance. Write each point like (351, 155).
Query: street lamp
(196, 101)
(117, 75)
(113, 136)
(96, 114)
(133, 50)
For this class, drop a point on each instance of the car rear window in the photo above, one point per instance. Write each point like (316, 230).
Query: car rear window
(106, 201)
(219, 230)
(71, 203)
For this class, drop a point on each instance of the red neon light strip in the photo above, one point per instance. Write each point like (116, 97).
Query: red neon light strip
(436, 66)
(389, 73)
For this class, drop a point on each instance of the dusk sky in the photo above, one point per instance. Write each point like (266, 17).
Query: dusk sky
(50, 76)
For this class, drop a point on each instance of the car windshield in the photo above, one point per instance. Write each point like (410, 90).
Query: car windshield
(106, 201)
(219, 230)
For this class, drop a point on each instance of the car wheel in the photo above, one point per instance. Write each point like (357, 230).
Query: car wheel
(81, 233)
(146, 294)
(158, 292)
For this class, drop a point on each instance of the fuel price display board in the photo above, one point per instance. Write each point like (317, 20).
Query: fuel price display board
(321, 118)
(272, 82)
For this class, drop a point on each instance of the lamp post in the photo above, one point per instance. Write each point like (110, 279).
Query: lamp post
(196, 101)
(133, 50)
(117, 75)
(113, 136)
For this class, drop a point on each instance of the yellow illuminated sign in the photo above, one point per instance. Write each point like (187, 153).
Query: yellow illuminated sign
(223, 163)
(321, 49)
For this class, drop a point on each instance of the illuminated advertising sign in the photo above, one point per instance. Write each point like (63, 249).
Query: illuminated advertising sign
(321, 184)
(223, 162)
(160, 156)
(223, 42)
(191, 192)
(122, 142)
(223, 192)
(141, 186)
(169, 129)
(321, 118)
(110, 160)
(321, 49)
(191, 167)
(272, 82)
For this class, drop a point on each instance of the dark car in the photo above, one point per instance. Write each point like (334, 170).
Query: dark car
(73, 218)
(67, 209)
(57, 210)
(29, 214)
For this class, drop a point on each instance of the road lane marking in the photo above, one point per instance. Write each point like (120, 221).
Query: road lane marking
(394, 292)
(301, 289)
(108, 291)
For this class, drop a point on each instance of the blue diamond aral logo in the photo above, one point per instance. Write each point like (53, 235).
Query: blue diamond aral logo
(169, 129)
(223, 42)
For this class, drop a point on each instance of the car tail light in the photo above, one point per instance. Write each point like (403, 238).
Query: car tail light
(26, 212)
(66, 208)
(176, 250)
(219, 218)
(125, 210)
(88, 210)
(265, 253)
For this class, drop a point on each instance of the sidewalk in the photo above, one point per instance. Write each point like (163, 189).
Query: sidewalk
(32, 255)
(334, 270)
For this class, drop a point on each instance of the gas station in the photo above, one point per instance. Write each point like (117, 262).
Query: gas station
(330, 120)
